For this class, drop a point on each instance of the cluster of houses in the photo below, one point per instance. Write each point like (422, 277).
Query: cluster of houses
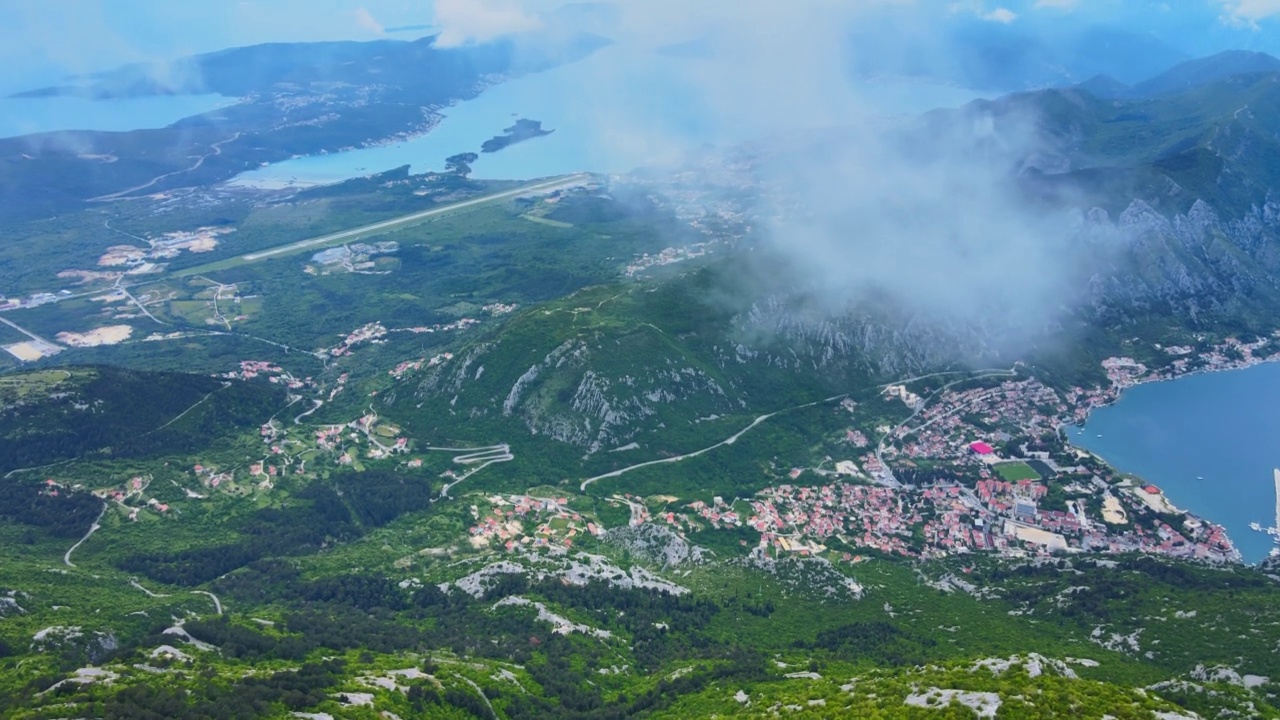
(667, 256)
(373, 332)
(505, 522)
(941, 432)
(250, 369)
(1125, 372)
(496, 309)
(414, 365)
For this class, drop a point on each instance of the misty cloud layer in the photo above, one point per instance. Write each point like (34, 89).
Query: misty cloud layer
(858, 209)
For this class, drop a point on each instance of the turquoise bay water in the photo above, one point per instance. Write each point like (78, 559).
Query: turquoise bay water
(24, 116)
(616, 110)
(1224, 427)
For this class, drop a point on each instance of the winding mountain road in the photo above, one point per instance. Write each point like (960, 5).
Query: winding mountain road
(483, 456)
(92, 529)
(727, 441)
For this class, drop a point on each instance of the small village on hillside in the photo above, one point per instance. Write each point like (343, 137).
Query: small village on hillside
(985, 467)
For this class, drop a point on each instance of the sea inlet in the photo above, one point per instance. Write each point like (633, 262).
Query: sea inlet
(1211, 441)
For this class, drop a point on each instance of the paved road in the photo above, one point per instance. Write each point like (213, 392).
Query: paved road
(991, 372)
(92, 529)
(727, 441)
(481, 457)
(28, 333)
(216, 149)
(415, 217)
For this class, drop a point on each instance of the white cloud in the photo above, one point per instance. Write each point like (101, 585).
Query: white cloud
(1248, 12)
(1001, 15)
(367, 21)
(471, 21)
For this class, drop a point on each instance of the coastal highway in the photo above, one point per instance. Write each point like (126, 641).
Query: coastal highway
(406, 220)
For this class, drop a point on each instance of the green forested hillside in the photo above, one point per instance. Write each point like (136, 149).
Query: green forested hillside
(590, 452)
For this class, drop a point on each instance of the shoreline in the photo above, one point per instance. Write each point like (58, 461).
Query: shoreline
(435, 114)
(1118, 390)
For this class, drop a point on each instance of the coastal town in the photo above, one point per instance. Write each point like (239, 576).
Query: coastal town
(1003, 479)
(932, 468)
(973, 468)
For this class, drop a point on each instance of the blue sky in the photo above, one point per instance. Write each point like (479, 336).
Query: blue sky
(43, 39)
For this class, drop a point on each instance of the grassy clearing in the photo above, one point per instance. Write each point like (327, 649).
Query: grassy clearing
(1015, 471)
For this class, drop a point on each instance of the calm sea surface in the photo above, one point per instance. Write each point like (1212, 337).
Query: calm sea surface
(611, 112)
(1224, 427)
(24, 116)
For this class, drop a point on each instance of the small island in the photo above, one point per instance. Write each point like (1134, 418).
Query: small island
(522, 130)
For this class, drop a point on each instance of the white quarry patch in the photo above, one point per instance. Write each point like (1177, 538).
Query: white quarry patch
(1034, 663)
(598, 567)
(56, 633)
(9, 605)
(182, 633)
(1185, 614)
(477, 583)
(814, 574)
(680, 672)
(657, 544)
(1162, 715)
(985, 704)
(560, 624)
(1063, 598)
(312, 716)
(581, 569)
(84, 676)
(354, 698)
(1116, 641)
(385, 683)
(170, 652)
(410, 673)
(388, 681)
(806, 675)
(505, 674)
(1224, 674)
(951, 582)
(741, 697)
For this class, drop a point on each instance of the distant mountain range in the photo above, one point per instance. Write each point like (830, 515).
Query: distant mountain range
(295, 99)
(410, 66)
(1187, 164)
(1179, 232)
(1186, 75)
(992, 56)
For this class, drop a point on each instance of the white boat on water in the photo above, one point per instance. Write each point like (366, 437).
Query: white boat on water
(1255, 526)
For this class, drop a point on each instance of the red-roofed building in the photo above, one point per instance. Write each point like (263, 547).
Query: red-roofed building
(981, 448)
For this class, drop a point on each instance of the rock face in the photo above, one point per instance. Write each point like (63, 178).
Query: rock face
(657, 544)
(1184, 236)
(1195, 264)
(578, 569)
